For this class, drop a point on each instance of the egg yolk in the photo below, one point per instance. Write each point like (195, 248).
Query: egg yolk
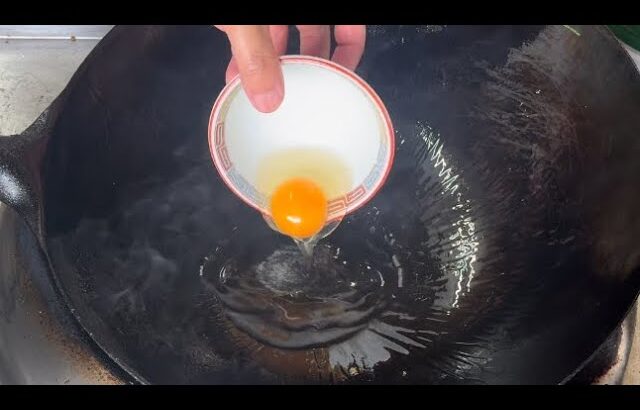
(299, 208)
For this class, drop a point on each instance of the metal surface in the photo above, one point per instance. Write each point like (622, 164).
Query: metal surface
(634, 54)
(36, 344)
(33, 70)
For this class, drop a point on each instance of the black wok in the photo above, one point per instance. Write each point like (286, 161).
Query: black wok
(505, 241)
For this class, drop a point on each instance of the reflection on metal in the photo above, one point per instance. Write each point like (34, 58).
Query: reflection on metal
(573, 30)
(463, 242)
(31, 75)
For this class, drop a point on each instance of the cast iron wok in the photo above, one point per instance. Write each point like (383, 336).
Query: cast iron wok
(513, 206)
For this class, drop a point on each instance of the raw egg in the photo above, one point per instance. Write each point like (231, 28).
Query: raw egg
(299, 208)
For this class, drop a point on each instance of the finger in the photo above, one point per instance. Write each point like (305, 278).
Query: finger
(315, 40)
(350, 41)
(258, 65)
(279, 38)
(232, 70)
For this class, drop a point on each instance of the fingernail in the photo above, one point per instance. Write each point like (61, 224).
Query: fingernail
(269, 101)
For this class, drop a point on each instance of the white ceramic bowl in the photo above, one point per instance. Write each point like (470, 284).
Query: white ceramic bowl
(326, 106)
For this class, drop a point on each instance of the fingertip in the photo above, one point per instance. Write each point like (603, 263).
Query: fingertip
(263, 82)
(268, 101)
(257, 61)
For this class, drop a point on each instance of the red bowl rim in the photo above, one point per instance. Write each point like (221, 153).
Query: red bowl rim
(382, 110)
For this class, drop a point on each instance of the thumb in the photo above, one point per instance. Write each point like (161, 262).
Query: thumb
(258, 64)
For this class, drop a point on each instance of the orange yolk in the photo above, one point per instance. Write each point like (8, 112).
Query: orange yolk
(299, 208)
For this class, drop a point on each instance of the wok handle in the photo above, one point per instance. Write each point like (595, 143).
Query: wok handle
(20, 177)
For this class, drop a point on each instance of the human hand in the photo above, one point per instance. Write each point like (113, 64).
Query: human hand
(256, 51)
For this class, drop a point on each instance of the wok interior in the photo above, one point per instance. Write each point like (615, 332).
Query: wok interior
(506, 225)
